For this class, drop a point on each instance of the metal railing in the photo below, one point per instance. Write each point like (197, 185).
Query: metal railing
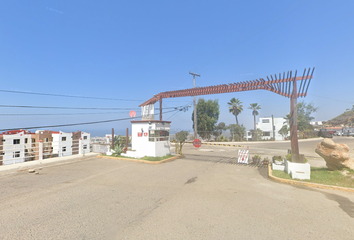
(32, 151)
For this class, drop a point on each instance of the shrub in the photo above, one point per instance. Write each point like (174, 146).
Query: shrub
(288, 157)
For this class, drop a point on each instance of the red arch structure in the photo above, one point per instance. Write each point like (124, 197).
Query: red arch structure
(282, 84)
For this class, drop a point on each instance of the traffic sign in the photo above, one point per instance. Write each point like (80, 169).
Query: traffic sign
(197, 143)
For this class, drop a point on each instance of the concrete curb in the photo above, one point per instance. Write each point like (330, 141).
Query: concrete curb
(221, 144)
(141, 161)
(20, 167)
(298, 183)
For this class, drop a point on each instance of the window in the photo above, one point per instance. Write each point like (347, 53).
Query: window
(85, 137)
(85, 147)
(64, 149)
(265, 120)
(45, 139)
(266, 134)
(2, 153)
(33, 140)
(63, 139)
(16, 154)
(3, 140)
(158, 135)
(249, 134)
(26, 140)
(16, 141)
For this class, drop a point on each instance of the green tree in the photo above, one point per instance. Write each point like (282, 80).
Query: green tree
(284, 131)
(237, 132)
(304, 111)
(207, 117)
(235, 107)
(218, 129)
(181, 137)
(254, 107)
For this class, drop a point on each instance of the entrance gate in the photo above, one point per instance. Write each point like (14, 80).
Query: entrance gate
(284, 85)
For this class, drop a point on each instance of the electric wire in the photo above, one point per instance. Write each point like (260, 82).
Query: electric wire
(76, 124)
(76, 108)
(69, 96)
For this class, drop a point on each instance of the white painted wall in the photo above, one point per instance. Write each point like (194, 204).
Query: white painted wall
(9, 148)
(140, 139)
(265, 124)
(85, 142)
(59, 143)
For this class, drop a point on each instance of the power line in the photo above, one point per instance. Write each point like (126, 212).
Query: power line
(80, 108)
(69, 96)
(23, 106)
(75, 124)
(48, 114)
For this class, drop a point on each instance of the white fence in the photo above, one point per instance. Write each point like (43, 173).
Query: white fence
(18, 153)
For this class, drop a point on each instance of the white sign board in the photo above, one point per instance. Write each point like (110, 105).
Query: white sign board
(243, 156)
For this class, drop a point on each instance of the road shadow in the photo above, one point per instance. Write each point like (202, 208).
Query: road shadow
(344, 203)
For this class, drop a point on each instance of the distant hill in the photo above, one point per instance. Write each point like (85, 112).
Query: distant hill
(346, 118)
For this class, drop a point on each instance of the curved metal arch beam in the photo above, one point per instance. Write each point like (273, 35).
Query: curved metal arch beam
(279, 86)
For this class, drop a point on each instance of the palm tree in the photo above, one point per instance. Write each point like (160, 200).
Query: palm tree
(235, 107)
(254, 107)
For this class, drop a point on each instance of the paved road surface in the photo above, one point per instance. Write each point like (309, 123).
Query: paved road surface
(307, 147)
(197, 197)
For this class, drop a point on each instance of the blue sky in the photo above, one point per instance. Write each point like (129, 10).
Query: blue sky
(132, 50)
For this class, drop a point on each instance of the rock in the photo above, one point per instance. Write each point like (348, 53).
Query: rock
(335, 154)
(31, 170)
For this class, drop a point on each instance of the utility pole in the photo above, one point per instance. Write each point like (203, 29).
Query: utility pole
(194, 106)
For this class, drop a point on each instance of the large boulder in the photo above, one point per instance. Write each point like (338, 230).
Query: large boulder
(335, 154)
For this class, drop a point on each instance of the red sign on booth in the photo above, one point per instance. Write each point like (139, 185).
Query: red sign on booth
(145, 134)
(140, 134)
(197, 143)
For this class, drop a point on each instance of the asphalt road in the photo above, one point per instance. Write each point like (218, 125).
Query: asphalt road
(272, 148)
(205, 195)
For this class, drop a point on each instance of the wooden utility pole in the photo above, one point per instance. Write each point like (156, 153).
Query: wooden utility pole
(194, 106)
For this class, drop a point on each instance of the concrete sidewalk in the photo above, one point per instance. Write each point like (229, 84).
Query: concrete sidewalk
(11, 168)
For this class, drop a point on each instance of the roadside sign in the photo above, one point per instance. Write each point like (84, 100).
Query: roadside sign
(243, 156)
(197, 143)
(132, 113)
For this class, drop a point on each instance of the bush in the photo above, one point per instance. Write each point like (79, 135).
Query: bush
(288, 157)
(256, 159)
(222, 138)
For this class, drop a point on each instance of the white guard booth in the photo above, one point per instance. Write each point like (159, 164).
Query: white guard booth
(150, 138)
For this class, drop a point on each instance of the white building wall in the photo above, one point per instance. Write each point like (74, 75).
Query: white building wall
(14, 153)
(62, 143)
(265, 124)
(85, 142)
(140, 139)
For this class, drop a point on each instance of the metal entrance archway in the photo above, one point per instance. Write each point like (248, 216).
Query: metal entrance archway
(284, 86)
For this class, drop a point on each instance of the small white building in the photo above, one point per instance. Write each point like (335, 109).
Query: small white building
(150, 138)
(85, 141)
(266, 124)
(62, 143)
(15, 145)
